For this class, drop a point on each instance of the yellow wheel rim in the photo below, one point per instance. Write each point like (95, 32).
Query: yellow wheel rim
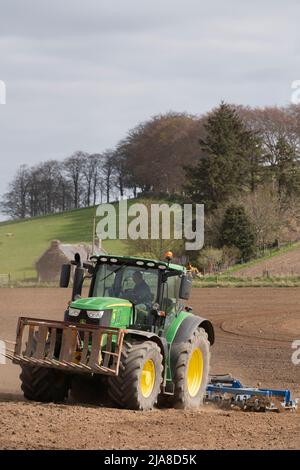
(195, 372)
(147, 378)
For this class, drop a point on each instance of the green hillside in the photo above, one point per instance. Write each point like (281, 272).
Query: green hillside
(22, 242)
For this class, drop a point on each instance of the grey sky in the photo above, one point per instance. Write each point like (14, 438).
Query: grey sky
(79, 74)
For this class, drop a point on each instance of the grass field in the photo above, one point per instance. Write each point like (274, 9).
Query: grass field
(30, 238)
(23, 242)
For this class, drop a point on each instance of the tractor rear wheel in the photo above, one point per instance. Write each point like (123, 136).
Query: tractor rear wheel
(43, 384)
(140, 376)
(191, 371)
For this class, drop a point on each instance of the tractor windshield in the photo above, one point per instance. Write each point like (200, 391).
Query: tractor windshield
(137, 284)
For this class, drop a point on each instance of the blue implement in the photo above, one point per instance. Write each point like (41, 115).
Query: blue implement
(225, 389)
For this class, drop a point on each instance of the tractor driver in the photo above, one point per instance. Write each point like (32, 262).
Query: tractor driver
(141, 290)
(142, 297)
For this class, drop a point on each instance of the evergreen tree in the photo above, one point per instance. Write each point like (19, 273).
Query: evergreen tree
(237, 230)
(229, 160)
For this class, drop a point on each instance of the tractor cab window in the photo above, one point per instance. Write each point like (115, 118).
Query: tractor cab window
(139, 285)
(105, 280)
(171, 294)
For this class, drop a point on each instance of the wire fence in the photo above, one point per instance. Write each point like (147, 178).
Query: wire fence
(23, 280)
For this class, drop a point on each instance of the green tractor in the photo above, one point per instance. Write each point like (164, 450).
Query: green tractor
(133, 330)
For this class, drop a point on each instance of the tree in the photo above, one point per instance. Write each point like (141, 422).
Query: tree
(64, 196)
(286, 169)
(155, 151)
(264, 211)
(279, 132)
(38, 190)
(107, 172)
(224, 166)
(14, 202)
(237, 230)
(46, 178)
(90, 174)
(96, 176)
(123, 177)
(74, 166)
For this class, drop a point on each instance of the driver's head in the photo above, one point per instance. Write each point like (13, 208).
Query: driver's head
(137, 277)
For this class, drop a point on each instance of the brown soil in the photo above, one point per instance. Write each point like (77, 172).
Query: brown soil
(254, 331)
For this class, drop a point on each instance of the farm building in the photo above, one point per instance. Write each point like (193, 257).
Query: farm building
(48, 266)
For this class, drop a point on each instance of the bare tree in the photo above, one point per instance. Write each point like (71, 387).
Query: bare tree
(14, 202)
(96, 175)
(89, 169)
(264, 211)
(279, 132)
(74, 167)
(107, 172)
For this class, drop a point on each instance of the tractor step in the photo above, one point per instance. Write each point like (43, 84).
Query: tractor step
(68, 347)
(225, 390)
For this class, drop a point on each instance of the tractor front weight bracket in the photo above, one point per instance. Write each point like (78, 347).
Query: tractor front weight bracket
(62, 345)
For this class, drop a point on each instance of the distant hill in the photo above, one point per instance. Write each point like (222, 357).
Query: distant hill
(22, 242)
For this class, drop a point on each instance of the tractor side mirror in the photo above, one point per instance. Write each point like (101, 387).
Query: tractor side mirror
(185, 287)
(78, 281)
(65, 275)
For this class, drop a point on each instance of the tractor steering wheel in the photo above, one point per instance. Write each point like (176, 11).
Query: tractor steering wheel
(129, 294)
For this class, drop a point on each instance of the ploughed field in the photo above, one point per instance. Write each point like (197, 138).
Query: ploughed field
(254, 333)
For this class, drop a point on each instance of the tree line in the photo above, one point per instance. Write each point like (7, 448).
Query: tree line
(212, 158)
(81, 180)
(248, 177)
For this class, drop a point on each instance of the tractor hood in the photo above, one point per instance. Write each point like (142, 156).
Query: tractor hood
(100, 303)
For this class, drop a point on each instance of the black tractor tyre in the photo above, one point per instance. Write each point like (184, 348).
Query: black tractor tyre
(140, 376)
(190, 380)
(43, 384)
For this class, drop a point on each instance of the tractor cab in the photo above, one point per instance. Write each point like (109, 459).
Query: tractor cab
(127, 291)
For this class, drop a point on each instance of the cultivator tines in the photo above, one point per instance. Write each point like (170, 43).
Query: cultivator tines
(63, 345)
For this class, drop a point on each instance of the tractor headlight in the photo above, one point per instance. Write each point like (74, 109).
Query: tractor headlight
(96, 314)
(74, 312)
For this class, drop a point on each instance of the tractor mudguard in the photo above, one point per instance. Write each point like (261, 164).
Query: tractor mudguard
(188, 326)
(162, 343)
(185, 331)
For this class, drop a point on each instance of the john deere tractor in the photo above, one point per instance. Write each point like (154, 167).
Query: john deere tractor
(133, 330)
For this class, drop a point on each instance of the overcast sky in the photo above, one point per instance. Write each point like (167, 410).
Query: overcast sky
(80, 73)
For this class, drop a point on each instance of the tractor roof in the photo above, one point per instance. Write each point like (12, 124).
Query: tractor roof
(140, 262)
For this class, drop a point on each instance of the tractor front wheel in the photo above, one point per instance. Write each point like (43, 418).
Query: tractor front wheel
(191, 371)
(43, 384)
(140, 376)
